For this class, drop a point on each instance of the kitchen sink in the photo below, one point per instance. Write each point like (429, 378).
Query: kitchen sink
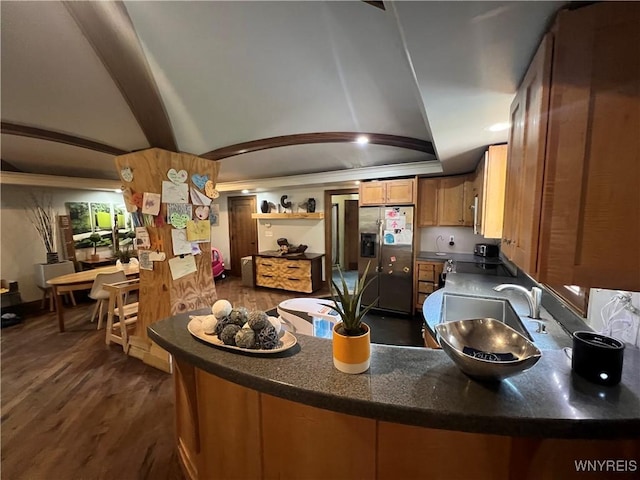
(463, 307)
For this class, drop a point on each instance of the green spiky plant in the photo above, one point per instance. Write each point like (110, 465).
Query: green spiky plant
(348, 304)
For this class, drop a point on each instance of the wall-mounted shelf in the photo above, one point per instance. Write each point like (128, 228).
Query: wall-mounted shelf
(289, 216)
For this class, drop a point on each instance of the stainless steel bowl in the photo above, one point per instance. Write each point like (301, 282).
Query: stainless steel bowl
(487, 349)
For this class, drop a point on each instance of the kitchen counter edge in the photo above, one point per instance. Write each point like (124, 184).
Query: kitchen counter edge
(422, 387)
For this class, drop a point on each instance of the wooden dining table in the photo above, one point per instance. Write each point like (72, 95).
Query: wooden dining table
(81, 281)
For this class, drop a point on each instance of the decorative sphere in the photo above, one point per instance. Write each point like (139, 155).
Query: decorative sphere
(209, 323)
(246, 338)
(221, 308)
(228, 335)
(239, 316)
(268, 338)
(276, 323)
(223, 322)
(258, 320)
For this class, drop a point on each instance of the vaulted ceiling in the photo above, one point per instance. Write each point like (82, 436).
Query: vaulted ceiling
(84, 81)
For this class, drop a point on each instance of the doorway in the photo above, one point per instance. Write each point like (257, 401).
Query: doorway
(341, 235)
(243, 231)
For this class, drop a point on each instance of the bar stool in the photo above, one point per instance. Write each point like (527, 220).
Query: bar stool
(126, 314)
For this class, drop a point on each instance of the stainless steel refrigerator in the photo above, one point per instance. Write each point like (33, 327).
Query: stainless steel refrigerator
(386, 240)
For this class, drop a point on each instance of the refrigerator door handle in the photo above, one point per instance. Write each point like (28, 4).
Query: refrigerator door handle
(380, 243)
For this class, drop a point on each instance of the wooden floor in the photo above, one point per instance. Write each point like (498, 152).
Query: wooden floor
(74, 408)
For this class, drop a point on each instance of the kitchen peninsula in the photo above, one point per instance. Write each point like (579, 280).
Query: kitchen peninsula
(272, 416)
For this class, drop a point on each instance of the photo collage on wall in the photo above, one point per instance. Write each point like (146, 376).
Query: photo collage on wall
(94, 217)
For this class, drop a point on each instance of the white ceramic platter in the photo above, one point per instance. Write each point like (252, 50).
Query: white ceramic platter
(195, 328)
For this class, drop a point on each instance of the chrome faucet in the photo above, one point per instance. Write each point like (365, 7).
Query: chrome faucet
(534, 297)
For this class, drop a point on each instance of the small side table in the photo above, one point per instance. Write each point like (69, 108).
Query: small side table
(90, 264)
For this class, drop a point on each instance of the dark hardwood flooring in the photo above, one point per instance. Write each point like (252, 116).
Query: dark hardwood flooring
(75, 408)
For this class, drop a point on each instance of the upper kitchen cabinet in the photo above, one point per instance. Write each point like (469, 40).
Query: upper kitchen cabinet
(427, 215)
(454, 201)
(526, 159)
(388, 192)
(489, 189)
(590, 228)
(572, 213)
(445, 201)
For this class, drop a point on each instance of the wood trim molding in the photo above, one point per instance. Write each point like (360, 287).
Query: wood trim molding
(51, 136)
(319, 137)
(109, 29)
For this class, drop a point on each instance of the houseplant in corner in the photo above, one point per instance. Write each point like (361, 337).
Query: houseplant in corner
(351, 336)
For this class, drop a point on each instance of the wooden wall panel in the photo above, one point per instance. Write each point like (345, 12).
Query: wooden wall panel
(301, 442)
(229, 418)
(415, 452)
(160, 296)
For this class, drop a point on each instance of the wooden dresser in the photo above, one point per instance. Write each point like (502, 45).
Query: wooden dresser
(296, 273)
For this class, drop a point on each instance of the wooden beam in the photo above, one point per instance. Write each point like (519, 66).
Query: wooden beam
(379, 5)
(321, 137)
(109, 29)
(8, 167)
(51, 136)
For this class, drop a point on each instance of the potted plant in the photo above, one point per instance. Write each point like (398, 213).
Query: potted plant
(95, 238)
(125, 254)
(40, 212)
(351, 336)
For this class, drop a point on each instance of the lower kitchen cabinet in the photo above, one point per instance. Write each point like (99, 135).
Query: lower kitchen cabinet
(426, 280)
(302, 273)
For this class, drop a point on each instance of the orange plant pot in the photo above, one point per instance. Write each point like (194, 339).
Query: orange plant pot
(352, 354)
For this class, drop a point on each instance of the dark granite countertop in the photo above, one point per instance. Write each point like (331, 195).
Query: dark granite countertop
(420, 386)
(557, 335)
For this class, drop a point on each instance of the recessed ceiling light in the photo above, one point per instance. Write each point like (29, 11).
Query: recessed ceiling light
(245, 191)
(357, 182)
(362, 139)
(499, 127)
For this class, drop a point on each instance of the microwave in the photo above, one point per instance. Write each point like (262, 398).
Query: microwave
(486, 250)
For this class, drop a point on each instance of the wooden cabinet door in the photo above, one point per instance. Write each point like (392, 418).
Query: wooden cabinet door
(372, 193)
(451, 201)
(491, 207)
(427, 202)
(479, 191)
(525, 166)
(400, 192)
(468, 201)
(591, 221)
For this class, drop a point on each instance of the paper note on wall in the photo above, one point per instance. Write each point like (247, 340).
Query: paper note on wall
(142, 238)
(175, 193)
(181, 246)
(151, 203)
(182, 266)
(198, 231)
(145, 261)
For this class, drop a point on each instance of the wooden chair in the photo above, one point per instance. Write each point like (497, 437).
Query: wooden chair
(100, 295)
(125, 314)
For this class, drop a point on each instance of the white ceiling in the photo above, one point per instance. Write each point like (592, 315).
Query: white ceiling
(232, 72)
